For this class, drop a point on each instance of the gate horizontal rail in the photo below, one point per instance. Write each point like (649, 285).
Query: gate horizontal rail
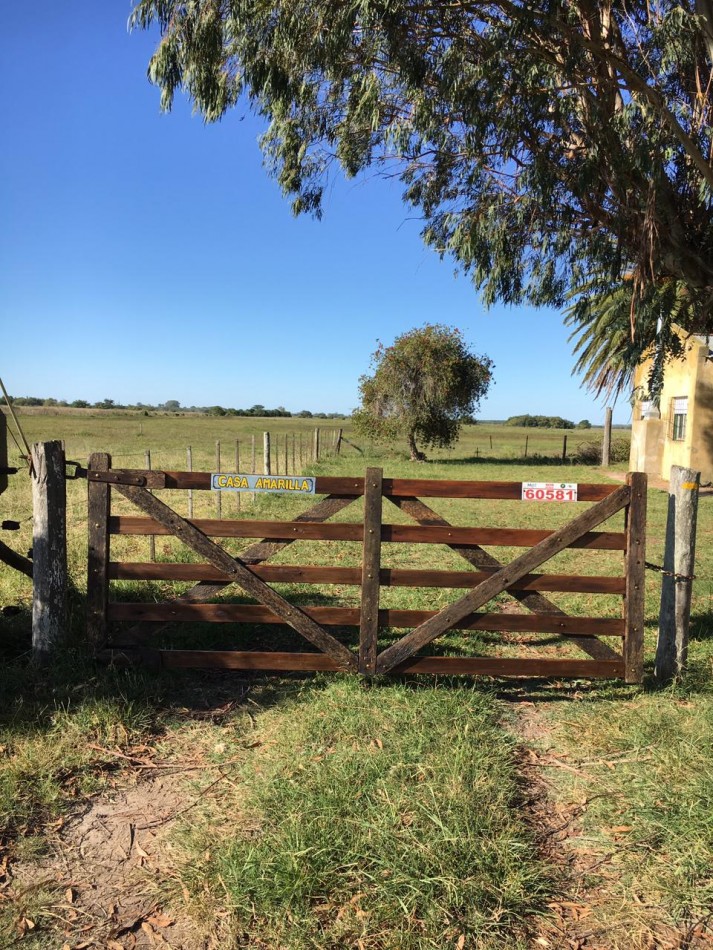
(484, 577)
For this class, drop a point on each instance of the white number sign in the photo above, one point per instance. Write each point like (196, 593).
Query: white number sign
(549, 491)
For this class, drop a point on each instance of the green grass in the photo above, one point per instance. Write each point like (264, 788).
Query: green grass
(644, 769)
(384, 817)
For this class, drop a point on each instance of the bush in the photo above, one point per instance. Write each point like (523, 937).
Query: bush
(540, 422)
(590, 453)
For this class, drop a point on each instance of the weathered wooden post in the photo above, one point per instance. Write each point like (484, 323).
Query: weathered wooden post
(237, 469)
(315, 453)
(564, 449)
(98, 503)
(152, 538)
(189, 465)
(371, 565)
(338, 444)
(606, 442)
(49, 549)
(635, 571)
(266, 467)
(678, 564)
(218, 499)
(3, 452)
(253, 462)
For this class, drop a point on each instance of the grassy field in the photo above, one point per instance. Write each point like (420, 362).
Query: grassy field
(324, 813)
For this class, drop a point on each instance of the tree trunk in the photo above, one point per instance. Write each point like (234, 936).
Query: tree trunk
(416, 454)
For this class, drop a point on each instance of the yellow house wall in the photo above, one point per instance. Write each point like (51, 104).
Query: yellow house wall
(652, 448)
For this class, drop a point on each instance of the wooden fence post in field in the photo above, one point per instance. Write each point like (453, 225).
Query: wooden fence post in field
(98, 500)
(189, 466)
(218, 495)
(266, 467)
(237, 469)
(253, 461)
(606, 442)
(301, 458)
(371, 565)
(287, 449)
(49, 549)
(294, 459)
(526, 440)
(315, 452)
(338, 446)
(3, 452)
(152, 539)
(564, 449)
(678, 564)
(635, 574)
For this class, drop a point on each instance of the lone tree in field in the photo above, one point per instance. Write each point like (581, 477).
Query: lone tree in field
(423, 387)
(542, 142)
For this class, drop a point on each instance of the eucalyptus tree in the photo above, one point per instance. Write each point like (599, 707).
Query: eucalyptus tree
(423, 387)
(542, 142)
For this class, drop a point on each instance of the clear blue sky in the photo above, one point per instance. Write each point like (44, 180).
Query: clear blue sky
(146, 257)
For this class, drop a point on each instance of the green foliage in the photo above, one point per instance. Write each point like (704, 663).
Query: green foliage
(584, 424)
(590, 453)
(614, 330)
(540, 422)
(541, 143)
(424, 386)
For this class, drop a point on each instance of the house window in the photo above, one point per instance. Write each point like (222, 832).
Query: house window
(679, 413)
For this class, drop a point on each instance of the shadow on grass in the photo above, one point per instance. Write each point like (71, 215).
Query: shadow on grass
(33, 694)
(701, 628)
(511, 460)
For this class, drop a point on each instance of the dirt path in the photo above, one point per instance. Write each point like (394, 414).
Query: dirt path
(589, 912)
(108, 871)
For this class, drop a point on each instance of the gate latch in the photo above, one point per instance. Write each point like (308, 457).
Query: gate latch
(119, 477)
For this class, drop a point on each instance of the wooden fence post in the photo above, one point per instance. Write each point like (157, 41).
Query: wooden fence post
(678, 564)
(635, 571)
(237, 469)
(189, 465)
(315, 452)
(606, 443)
(152, 539)
(564, 449)
(267, 468)
(3, 452)
(371, 564)
(218, 495)
(49, 549)
(253, 462)
(338, 444)
(98, 503)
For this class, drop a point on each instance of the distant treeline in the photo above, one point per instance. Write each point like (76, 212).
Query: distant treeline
(173, 405)
(546, 422)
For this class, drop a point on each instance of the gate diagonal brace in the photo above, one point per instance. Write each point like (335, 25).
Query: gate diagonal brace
(476, 556)
(240, 573)
(447, 618)
(256, 553)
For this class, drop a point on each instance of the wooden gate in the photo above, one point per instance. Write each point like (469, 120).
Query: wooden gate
(484, 578)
